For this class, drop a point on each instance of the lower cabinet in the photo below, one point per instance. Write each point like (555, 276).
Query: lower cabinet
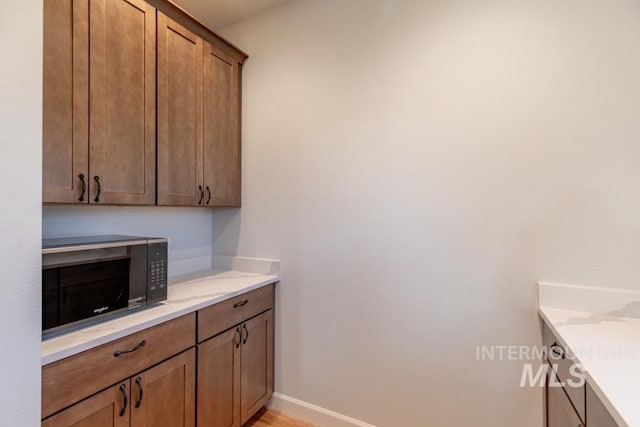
(161, 396)
(148, 379)
(166, 394)
(235, 373)
(569, 402)
(598, 415)
(101, 410)
(235, 358)
(256, 362)
(560, 410)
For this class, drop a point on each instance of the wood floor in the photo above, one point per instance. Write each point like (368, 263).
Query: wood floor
(269, 418)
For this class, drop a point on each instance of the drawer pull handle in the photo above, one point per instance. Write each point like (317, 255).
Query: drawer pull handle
(123, 390)
(240, 304)
(84, 187)
(239, 341)
(141, 390)
(131, 350)
(557, 350)
(97, 180)
(201, 194)
(244, 341)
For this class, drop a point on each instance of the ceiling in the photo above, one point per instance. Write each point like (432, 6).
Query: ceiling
(219, 13)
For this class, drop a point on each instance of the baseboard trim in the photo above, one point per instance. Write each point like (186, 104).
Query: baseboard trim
(319, 417)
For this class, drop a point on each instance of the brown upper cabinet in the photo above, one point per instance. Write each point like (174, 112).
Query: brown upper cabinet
(221, 126)
(65, 115)
(122, 104)
(99, 106)
(198, 120)
(99, 102)
(179, 115)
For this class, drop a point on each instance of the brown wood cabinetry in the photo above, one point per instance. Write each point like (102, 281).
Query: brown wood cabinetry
(222, 147)
(161, 396)
(179, 115)
(122, 106)
(256, 362)
(198, 120)
(65, 116)
(148, 378)
(99, 102)
(65, 382)
(165, 395)
(101, 410)
(235, 369)
(99, 106)
(219, 380)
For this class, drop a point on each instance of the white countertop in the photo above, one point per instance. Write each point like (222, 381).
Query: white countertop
(602, 328)
(187, 294)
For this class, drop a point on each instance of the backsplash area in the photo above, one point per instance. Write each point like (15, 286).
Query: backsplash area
(190, 231)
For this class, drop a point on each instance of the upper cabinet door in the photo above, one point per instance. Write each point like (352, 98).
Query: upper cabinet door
(122, 101)
(221, 128)
(179, 115)
(65, 121)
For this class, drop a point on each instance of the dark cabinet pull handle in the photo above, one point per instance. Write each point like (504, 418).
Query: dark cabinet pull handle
(209, 193)
(97, 180)
(201, 194)
(239, 337)
(244, 341)
(123, 390)
(141, 390)
(240, 304)
(131, 350)
(557, 350)
(84, 187)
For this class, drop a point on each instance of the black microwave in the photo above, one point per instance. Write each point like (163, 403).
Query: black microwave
(90, 277)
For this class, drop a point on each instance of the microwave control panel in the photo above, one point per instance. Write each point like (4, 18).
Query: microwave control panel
(157, 276)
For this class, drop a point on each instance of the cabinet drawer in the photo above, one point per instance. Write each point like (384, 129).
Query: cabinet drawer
(69, 380)
(220, 317)
(562, 363)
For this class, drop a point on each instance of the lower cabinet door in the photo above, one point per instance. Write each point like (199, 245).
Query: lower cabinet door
(256, 380)
(598, 415)
(109, 408)
(219, 380)
(560, 411)
(165, 394)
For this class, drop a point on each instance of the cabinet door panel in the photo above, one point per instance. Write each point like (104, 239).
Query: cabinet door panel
(221, 127)
(65, 120)
(165, 395)
(598, 415)
(122, 103)
(101, 410)
(256, 382)
(179, 114)
(560, 411)
(219, 380)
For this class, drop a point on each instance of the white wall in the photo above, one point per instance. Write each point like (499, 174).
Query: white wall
(417, 166)
(20, 198)
(189, 230)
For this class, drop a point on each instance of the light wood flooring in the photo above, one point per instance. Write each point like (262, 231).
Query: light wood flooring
(269, 418)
